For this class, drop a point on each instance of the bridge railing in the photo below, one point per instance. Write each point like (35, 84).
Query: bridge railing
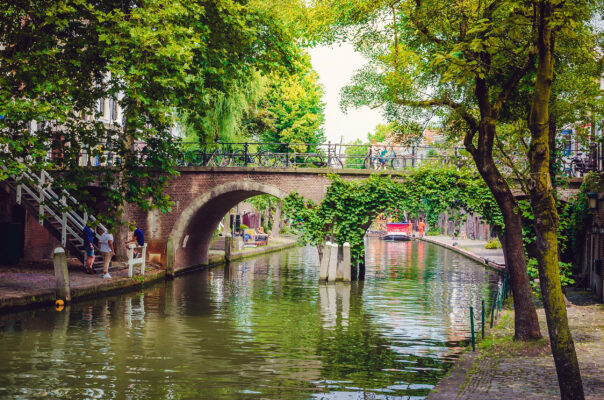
(326, 155)
(573, 162)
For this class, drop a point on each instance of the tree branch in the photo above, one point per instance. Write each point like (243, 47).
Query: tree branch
(421, 27)
(512, 81)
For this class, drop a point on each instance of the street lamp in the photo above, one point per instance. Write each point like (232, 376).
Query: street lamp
(593, 200)
(595, 228)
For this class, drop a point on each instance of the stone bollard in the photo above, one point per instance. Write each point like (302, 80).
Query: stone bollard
(227, 247)
(333, 263)
(345, 265)
(61, 274)
(170, 258)
(323, 273)
(238, 241)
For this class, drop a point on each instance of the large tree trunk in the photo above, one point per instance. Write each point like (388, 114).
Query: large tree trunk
(546, 216)
(526, 322)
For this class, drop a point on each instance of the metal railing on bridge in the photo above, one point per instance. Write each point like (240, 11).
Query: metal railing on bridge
(571, 162)
(326, 155)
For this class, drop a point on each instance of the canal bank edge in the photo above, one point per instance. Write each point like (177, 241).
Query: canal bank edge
(484, 261)
(47, 297)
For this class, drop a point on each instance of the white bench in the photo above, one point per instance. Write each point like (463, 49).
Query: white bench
(138, 260)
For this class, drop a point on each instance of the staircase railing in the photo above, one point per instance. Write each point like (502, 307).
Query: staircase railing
(61, 207)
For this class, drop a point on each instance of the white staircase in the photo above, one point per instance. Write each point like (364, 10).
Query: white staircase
(57, 211)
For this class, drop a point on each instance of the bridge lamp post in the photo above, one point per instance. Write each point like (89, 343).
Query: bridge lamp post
(593, 200)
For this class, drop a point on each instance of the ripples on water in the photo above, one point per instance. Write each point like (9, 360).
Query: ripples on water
(263, 328)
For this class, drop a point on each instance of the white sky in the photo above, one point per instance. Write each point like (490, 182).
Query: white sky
(335, 66)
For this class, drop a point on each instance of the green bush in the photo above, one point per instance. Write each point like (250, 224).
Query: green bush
(244, 226)
(495, 244)
(433, 232)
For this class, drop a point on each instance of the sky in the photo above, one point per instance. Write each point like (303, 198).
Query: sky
(335, 66)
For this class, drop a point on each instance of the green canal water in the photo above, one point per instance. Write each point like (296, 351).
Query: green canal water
(263, 328)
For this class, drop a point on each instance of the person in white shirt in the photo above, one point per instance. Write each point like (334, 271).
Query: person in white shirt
(106, 247)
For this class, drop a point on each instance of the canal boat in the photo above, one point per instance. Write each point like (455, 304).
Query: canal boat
(397, 231)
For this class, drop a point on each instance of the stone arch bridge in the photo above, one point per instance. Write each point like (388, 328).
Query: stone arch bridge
(203, 195)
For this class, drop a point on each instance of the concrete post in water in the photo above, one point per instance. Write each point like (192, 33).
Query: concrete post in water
(61, 274)
(323, 273)
(333, 263)
(227, 247)
(339, 268)
(170, 258)
(345, 265)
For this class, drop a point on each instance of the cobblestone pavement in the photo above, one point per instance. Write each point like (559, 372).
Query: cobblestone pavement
(475, 247)
(37, 279)
(510, 370)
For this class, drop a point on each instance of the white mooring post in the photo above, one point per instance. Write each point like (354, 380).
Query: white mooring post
(59, 261)
(345, 265)
(323, 273)
(333, 262)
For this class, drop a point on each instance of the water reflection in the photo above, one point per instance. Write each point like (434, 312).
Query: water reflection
(260, 328)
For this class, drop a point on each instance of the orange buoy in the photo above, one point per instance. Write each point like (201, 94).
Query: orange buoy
(60, 304)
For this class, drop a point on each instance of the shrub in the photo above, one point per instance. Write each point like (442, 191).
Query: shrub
(433, 232)
(495, 244)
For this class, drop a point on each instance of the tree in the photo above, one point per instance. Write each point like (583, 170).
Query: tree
(293, 105)
(349, 207)
(549, 19)
(61, 60)
(466, 62)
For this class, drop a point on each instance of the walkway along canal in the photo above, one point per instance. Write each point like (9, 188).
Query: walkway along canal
(259, 328)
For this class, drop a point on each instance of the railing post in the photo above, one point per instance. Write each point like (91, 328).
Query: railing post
(41, 187)
(19, 193)
(144, 260)
(130, 260)
(472, 328)
(245, 153)
(413, 154)
(287, 155)
(63, 223)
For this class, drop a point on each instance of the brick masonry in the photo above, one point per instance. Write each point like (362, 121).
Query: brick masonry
(202, 197)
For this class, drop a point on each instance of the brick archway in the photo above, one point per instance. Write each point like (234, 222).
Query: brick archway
(194, 228)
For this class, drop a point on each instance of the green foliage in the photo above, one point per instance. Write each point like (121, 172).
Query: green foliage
(494, 244)
(434, 231)
(244, 226)
(564, 268)
(292, 110)
(155, 59)
(350, 206)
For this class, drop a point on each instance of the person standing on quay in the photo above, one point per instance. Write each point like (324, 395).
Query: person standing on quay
(106, 245)
(88, 237)
(420, 228)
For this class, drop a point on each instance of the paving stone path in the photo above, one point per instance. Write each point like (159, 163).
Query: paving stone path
(518, 373)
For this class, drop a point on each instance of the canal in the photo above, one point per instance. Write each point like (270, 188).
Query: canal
(262, 328)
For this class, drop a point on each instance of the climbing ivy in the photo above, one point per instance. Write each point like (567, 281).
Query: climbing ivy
(350, 206)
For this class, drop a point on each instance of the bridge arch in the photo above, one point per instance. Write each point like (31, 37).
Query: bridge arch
(194, 228)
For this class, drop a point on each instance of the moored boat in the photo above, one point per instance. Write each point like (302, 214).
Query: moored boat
(397, 231)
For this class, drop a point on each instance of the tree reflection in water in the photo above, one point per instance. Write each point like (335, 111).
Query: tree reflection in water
(259, 328)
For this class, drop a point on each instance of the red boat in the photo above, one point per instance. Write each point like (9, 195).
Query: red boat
(397, 231)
